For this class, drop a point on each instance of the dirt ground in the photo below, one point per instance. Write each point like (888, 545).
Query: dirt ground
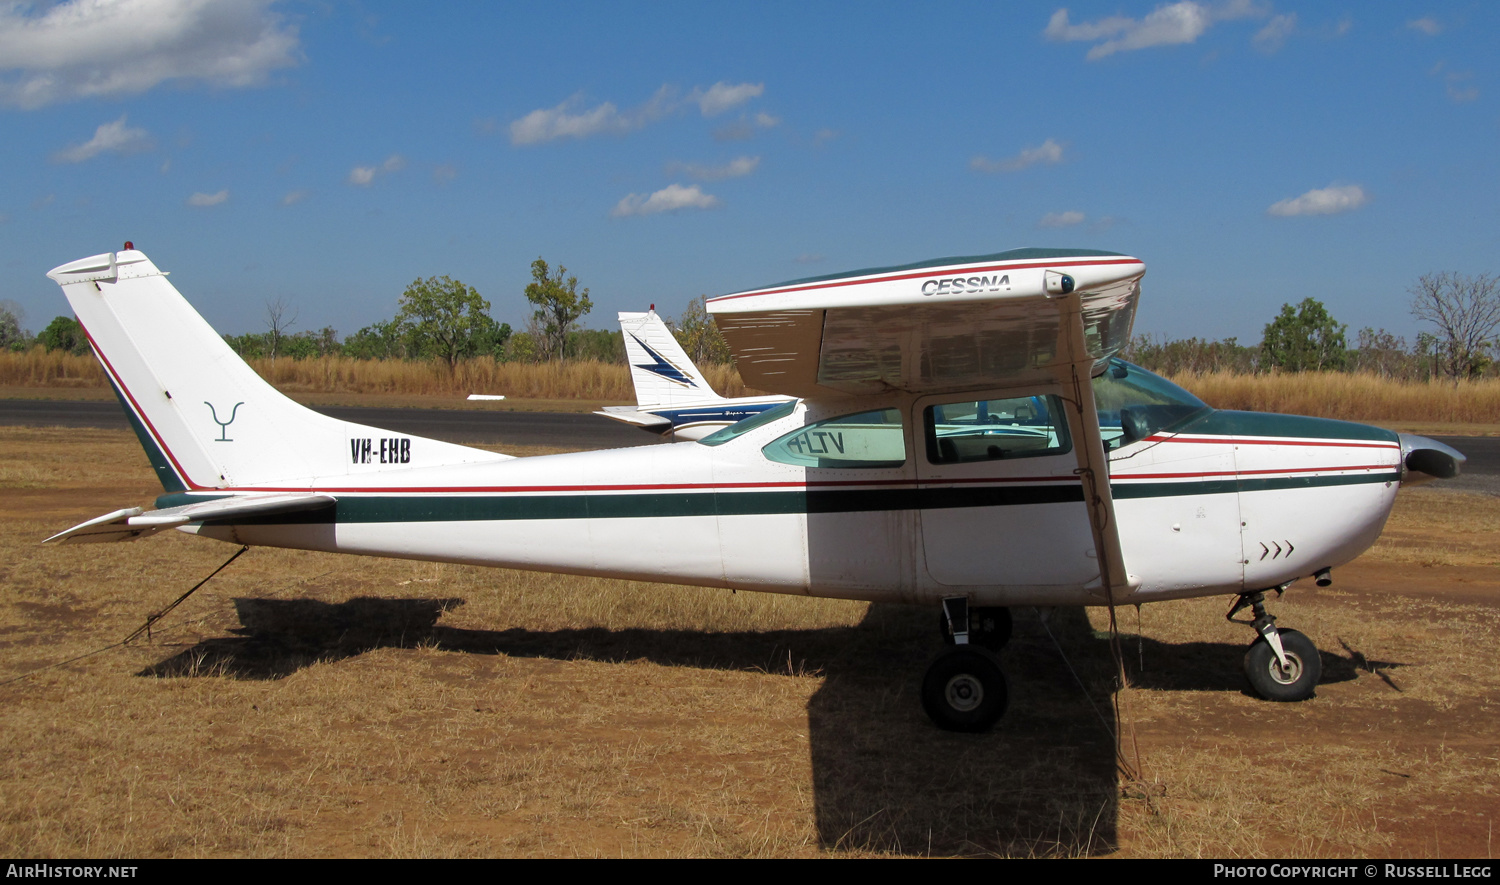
(320, 706)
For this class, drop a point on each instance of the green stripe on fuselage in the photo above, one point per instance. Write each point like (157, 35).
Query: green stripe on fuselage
(485, 508)
(364, 509)
(1127, 490)
(1231, 424)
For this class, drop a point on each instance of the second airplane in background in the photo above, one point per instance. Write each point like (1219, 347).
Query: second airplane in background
(672, 396)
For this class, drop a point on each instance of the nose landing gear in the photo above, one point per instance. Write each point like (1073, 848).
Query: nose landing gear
(1282, 665)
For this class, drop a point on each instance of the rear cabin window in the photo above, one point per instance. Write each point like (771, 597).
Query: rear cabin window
(864, 440)
(996, 429)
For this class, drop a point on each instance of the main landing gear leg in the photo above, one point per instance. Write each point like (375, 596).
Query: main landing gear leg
(1282, 665)
(964, 689)
(988, 625)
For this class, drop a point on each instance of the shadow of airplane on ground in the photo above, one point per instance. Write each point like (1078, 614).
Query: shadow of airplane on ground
(885, 779)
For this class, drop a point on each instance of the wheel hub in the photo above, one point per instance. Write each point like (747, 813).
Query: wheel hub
(1288, 674)
(964, 693)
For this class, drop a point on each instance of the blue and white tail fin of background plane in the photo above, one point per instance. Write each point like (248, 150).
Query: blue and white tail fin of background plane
(208, 422)
(660, 369)
(672, 396)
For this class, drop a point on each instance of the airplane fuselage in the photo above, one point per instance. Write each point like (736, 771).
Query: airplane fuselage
(1226, 501)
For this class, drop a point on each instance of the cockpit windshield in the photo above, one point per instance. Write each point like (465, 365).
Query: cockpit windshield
(1134, 403)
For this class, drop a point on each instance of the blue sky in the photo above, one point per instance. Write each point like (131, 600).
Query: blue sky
(327, 154)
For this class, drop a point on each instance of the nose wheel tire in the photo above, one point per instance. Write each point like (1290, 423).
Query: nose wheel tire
(965, 690)
(1294, 682)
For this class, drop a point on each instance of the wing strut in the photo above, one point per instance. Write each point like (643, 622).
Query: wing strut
(1093, 469)
(1075, 367)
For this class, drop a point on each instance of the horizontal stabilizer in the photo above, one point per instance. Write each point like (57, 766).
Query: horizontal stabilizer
(638, 417)
(132, 522)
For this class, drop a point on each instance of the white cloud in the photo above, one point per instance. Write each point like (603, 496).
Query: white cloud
(1330, 200)
(444, 173)
(736, 168)
(293, 198)
(1428, 26)
(669, 199)
(550, 124)
(569, 120)
(93, 48)
(559, 122)
(1047, 153)
(721, 96)
(1170, 25)
(1461, 95)
(114, 136)
(1061, 219)
(1273, 36)
(1060, 29)
(202, 200)
(364, 176)
(745, 127)
(1454, 83)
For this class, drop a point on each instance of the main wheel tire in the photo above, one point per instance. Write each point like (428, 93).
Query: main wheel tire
(1295, 682)
(965, 690)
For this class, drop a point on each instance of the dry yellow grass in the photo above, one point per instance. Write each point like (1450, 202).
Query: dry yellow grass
(315, 705)
(1350, 397)
(1330, 394)
(589, 380)
(38, 368)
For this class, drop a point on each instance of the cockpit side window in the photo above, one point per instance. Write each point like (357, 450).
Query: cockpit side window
(872, 439)
(989, 430)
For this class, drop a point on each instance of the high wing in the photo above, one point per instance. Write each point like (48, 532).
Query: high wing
(948, 324)
(1023, 317)
(133, 522)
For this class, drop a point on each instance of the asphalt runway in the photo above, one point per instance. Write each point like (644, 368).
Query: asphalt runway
(572, 429)
(466, 426)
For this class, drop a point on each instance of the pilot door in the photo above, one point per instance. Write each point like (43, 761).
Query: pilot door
(1000, 502)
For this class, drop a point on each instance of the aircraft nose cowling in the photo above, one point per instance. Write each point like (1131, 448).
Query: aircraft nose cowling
(1423, 460)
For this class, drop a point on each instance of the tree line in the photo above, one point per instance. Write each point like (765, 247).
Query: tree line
(1464, 313)
(441, 319)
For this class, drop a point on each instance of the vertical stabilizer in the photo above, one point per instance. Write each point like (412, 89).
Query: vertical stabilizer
(659, 367)
(206, 419)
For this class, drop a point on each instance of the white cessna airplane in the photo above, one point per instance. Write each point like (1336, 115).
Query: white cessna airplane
(961, 437)
(672, 396)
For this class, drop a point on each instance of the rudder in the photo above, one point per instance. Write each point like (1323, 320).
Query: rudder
(205, 418)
